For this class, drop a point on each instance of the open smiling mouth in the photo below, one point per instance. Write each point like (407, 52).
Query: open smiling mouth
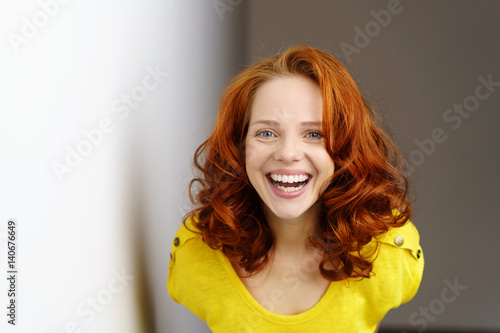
(288, 183)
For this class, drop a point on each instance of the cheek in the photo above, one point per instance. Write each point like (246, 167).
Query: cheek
(326, 171)
(329, 166)
(248, 155)
(251, 160)
(323, 163)
(253, 153)
(255, 163)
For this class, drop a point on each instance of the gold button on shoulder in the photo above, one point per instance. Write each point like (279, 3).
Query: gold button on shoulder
(399, 241)
(177, 241)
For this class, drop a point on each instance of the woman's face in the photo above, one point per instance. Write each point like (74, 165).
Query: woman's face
(286, 160)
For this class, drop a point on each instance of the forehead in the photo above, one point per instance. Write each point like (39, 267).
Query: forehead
(287, 98)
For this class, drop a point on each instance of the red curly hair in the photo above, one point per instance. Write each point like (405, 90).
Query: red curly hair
(359, 203)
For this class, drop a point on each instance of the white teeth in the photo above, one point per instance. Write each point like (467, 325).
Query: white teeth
(290, 189)
(289, 178)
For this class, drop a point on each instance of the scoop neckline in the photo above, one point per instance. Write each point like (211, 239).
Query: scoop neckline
(265, 313)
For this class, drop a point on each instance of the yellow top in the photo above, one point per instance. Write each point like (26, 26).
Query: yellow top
(203, 280)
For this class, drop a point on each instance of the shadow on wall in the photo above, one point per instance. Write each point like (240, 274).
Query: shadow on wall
(144, 296)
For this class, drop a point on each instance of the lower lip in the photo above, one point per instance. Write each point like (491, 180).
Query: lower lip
(288, 195)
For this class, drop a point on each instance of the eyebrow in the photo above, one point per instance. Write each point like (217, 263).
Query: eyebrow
(275, 123)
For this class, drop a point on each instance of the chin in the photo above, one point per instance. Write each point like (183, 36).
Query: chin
(287, 214)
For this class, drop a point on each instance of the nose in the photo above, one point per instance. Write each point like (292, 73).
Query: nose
(288, 150)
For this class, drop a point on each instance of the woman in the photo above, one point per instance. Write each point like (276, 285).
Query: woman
(302, 222)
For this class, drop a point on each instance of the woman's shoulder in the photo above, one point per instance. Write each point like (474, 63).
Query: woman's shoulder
(399, 262)
(187, 232)
(188, 243)
(196, 272)
(188, 258)
(405, 238)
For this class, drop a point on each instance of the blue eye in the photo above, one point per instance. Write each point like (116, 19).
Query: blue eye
(265, 134)
(314, 135)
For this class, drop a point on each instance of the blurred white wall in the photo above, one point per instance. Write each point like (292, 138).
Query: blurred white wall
(83, 84)
(62, 176)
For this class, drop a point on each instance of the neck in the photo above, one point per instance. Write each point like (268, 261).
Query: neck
(291, 235)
